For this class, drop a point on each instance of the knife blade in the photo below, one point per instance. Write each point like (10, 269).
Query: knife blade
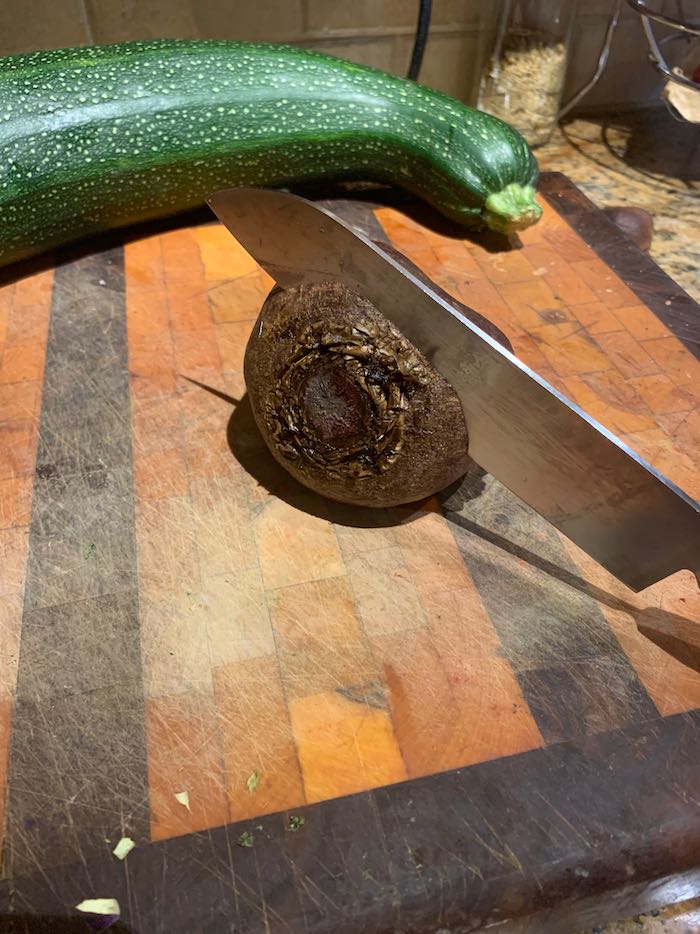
(552, 455)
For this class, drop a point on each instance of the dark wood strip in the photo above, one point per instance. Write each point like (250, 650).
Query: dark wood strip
(657, 290)
(589, 826)
(571, 668)
(78, 770)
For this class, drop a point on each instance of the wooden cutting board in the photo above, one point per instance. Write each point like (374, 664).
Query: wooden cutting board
(429, 717)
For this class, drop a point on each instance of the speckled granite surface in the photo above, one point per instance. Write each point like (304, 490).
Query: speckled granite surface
(645, 159)
(683, 918)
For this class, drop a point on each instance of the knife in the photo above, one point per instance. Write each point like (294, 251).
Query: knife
(545, 449)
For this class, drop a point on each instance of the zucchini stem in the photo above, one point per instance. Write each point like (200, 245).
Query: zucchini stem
(513, 208)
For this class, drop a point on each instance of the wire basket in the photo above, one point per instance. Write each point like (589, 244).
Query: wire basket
(676, 55)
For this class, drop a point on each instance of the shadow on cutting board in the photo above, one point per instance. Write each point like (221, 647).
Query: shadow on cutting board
(488, 516)
(252, 454)
(678, 636)
(369, 196)
(372, 196)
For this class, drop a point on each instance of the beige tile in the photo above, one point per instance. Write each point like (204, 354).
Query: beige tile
(174, 647)
(431, 554)
(156, 423)
(6, 712)
(459, 625)
(385, 596)
(15, 501)
(13, 559)
(160, 474)
(237, 617)
(208, 455)
(295, 546)
(10, 630)
(358, 540)
(319, 640)
(203, 410)
(167, 560)
(222, 526)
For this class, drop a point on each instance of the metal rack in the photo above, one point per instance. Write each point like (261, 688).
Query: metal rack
(683, 31)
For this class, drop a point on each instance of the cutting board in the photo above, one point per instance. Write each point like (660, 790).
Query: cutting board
(311, 717)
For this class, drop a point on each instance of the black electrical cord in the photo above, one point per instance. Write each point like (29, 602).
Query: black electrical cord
(424, 13)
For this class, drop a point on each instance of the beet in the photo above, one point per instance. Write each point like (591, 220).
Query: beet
(347, 404)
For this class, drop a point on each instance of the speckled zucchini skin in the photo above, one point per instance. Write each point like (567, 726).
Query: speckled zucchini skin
(93, 138)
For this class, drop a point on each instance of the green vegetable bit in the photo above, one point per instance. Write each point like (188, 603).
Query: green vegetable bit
(246, 839)
(296, 822)
(253, 781)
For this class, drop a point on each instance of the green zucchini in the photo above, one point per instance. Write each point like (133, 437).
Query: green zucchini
(97, 137)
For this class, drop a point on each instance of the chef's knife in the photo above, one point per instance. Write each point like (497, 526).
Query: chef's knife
(545, 449)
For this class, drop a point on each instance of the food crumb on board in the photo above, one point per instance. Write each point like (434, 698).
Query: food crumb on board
(123, 848)
(253, 781)
(183, 798)
(107, 909)
(296, 822)
(246, 839)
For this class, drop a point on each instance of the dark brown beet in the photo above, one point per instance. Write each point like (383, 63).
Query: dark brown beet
(346, 404)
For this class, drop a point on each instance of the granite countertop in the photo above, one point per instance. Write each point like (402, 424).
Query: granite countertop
(682, 918)
(645, 159)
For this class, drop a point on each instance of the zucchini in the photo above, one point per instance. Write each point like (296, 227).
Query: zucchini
(97, 137)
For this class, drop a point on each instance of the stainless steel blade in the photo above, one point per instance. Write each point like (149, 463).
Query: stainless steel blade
(545, 449)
